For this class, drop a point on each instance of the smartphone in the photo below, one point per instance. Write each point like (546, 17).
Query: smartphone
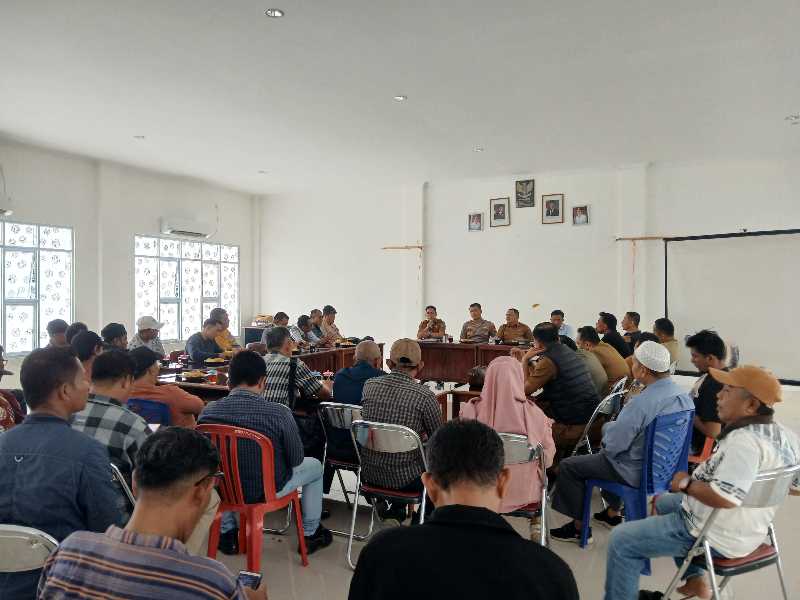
(249, 579)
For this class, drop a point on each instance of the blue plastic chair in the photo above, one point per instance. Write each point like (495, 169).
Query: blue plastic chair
(151, 411)
(666, 453)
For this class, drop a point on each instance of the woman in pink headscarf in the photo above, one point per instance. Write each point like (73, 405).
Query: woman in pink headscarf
(504, 407)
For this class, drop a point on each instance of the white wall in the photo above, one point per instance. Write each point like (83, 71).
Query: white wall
(107, 204)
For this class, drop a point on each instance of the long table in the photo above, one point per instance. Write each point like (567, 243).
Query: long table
(452, 362)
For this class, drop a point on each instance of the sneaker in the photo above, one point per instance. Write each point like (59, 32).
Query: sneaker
(607, 520)
(392, 512)
(321, 538)
(569, 533)
(229, 542)
(645, 595)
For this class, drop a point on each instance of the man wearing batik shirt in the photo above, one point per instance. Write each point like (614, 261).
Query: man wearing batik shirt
(477, 330)
(432, 328)
(329, 329)
(751, 442)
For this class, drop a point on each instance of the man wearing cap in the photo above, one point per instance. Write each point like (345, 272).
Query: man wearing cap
(399, 399)
(477, 330)
(329, 328)
(147, 330)
(750, 443)
(623, 444)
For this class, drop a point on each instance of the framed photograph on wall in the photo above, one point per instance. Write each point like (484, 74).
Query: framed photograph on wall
(552, 208)
(580, 215)
(474, 222)
(525, 194)
(499, 212)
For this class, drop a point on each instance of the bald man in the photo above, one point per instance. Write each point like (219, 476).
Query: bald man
(348, 383)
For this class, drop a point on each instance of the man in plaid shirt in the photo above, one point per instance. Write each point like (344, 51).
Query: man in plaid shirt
(279, 359)
(399, 399)
(105, 418)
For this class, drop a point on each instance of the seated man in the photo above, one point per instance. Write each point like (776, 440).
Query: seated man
(183, 406)
(596, 370)
(630, 325)
(750, 443)
(115, 336)
(147, 330)
(348, 383)
(302, 333)
(399, 399)
(57, 330)
(316, 322)
(557, 319)
(105, 417)
(512, 330)
(73, 330)
(708, 352)
(477, 330)
(87, 346)
(329, 328)
(245, 407)
(202, 345)
(225, 339)
(466, 479)
(568, 393)
(665, 331)
(607, 327)
(281, 319)
(476, 377)
(175, 476)
(12, 403)
(623, 444)
(432, 327)
(613, 363)
(52, 477)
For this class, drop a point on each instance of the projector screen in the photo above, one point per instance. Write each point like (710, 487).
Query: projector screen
(745, 288)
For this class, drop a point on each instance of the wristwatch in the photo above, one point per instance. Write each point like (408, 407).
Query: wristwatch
(683, 484)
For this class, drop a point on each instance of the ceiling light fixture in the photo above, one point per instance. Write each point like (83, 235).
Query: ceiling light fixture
(400, 98)
(478, 149)
(275, 13)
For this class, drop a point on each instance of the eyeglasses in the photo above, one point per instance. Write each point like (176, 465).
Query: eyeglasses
(217, 476)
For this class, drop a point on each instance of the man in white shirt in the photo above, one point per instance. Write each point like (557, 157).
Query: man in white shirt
(750, 442)
(147, 330)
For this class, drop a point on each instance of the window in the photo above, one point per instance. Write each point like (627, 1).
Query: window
(180, 282)
(36, 276)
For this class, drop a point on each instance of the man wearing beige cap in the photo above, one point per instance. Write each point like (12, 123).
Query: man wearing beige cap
(399, 399)
(623, 443)
(750, 442)
(147, 329)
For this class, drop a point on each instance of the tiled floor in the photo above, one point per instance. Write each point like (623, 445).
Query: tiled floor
(328, 576)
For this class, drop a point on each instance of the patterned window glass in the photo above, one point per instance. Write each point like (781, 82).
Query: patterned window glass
(19, 327)
(21, 235)
(20, 270)
(55, 289)
(55, 238)
(182, 281)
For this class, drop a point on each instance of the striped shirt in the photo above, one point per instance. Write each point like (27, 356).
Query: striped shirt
(124, 564)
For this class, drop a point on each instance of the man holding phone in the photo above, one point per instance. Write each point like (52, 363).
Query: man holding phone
(176, 469)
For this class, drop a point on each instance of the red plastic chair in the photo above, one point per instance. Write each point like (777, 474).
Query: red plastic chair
(175, 355)
(708, 448)
(251, 533)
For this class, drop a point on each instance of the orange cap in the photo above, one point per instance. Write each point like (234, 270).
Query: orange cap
(759, 382)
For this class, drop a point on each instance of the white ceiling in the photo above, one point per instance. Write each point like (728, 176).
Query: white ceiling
(221, 91)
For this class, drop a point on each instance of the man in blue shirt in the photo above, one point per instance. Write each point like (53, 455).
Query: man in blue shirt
(623, 443)
(201, 346)
(557, 319)
(52, 477)
(348, 383)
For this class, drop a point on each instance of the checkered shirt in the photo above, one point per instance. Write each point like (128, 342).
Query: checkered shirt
(118, 429)
(396, 398)
(278, 379)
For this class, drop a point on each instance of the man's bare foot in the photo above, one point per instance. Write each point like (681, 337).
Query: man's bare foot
(696, 587)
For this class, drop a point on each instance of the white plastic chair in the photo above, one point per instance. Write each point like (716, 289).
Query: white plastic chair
(123, 484)
(518, 450)
(607, 406)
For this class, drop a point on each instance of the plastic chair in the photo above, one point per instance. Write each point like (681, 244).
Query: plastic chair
(175, 355)
(769, 489)
(339, 417)
(385, 438)
(666, 449)
(24, 548)
(518, 450)
(226, 439)
(120, 479)
(708, 449)
(607, 406)
(153, 412)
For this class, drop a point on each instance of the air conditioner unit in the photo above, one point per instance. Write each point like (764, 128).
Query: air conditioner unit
(186, 227)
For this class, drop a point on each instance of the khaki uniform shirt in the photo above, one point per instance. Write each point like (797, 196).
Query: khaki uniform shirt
(614, 365)
(478, 331)
(431, 329)
(540, 372)
(672, 347)
(515, 333)
(331, 331)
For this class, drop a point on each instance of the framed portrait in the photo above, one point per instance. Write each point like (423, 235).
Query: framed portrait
(474, 222)
(525, 194)
(499, 212)
(552, 208)
(580, 215)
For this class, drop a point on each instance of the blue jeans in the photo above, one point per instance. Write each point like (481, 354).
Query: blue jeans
(307, 475)
(634, 541)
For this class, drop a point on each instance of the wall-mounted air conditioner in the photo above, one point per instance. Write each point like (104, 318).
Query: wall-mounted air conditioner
(186, 227)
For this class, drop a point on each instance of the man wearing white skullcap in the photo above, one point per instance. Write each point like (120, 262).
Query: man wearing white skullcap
(623, 449)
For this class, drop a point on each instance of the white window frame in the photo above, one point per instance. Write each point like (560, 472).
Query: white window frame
(177, 301)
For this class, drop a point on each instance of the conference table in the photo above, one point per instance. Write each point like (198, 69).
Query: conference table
(452, 362)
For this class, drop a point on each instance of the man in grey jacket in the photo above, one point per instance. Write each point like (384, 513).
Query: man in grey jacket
(623, 443)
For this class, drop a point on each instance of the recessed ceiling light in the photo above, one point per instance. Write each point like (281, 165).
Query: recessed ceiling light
(478, 149)
(400, 98)
(139, 137)
(275, 13)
